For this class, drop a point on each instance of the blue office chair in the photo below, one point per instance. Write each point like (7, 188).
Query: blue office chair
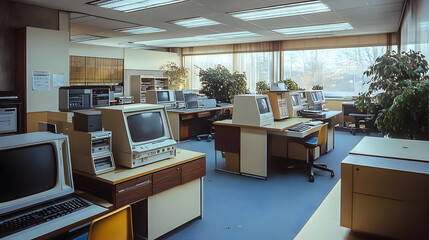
(310, 144)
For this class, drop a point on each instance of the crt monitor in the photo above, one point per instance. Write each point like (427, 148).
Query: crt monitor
(315, 99)
(294, 104)
(191, 100)
(160, 96)
(320, 96)
(34, 168)
(252, 110)
(141, 133)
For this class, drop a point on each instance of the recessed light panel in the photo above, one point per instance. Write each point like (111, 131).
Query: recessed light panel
(141, 30)
(210, 37)
(195, 22)
(132, 5)
(282, 11)
(315, 29)
(82, 38)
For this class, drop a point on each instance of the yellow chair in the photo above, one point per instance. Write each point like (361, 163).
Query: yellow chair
(116, 225)
(310, 145)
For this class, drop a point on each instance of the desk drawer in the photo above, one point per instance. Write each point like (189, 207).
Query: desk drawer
(193, 170)
(187, 116)
(203, 114)
(133, 190)
(166, 179)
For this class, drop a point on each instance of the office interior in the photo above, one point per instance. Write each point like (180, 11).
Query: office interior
(246, 176)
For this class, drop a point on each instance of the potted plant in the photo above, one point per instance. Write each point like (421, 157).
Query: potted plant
(291, 85)
(219, 83)
(177, 76)
(317, 87)
(394, 85)
(262, 86)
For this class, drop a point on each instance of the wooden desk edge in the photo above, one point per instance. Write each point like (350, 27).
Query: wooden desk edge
(220, 123)
(100, 178)
(398, 158)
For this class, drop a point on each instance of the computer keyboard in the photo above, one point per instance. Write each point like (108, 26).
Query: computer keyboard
(40, 216)
(300, 128)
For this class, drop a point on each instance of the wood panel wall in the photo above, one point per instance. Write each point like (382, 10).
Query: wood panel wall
(93, 70)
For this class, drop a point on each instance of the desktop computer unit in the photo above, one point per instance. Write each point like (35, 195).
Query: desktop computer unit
(278, 102)
(87, 121)
(294, 104)
(164, 97)
(141, 133)
(252, 110)
(91, 152)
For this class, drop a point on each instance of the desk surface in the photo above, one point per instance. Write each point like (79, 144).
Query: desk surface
(196, 110)
(122, 174)
(393, 148)
(276, 126)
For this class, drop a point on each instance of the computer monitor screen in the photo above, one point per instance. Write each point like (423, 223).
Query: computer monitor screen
(179, 96)
(145, 126)
(263, 105)
(320, 95)
(295, 100)
(27, 171)
(302, 95)
(314, 96)
(163, 96)
(191, 97)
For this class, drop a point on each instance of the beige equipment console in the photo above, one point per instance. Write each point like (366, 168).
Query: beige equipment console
(252, 110)
(141, 133)
(278, 102)
(91, 152)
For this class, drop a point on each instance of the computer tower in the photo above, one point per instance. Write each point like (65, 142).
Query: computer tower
(87, 121)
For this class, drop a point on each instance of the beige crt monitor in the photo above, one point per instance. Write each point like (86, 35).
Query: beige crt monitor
(294, 104)
(141, 133)
(278, 102)
(252, 110)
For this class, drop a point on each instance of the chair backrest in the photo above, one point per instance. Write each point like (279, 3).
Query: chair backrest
(323, 134)
(114, 225)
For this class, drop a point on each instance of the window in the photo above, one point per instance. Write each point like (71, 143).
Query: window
(193, 63)
(257, 67)
(339, 71)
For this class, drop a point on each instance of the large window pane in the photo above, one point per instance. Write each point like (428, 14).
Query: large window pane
(339, 71)
(193, 63)
(256, 66)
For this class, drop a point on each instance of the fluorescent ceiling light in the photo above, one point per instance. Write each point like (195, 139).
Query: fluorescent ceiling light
(282, 11)
(132, 5)
(82, 38)
(140, 30)
(315, 29)
(195, 22)
(210, 37)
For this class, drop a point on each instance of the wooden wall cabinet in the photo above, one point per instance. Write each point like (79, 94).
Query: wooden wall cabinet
(92, 70)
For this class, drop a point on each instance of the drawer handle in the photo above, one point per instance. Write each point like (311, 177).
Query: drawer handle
(177, 169)
(135, 186)
(357, 169)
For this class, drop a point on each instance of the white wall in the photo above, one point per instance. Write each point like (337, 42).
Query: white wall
(79, 49)
(46, 50)
(148, 60)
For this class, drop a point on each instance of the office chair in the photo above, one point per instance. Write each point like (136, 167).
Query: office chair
(114, 225)
(366, 119)
(310, 144)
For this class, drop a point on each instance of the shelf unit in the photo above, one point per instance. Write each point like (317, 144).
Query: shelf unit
(141, 83)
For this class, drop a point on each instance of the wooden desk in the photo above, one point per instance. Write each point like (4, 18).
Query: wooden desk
(154, 191)
(248, 144)
(332, 118)
(384, 185)
(181, 120)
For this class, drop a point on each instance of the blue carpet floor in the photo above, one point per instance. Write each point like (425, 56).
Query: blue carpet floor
(238, 207)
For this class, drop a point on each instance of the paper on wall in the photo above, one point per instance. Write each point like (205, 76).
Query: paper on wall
(41, 80)
(57, 79)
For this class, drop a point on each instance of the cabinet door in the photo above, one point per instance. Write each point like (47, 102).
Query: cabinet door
(166, 179)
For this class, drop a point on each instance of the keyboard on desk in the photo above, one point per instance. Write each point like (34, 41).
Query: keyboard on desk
(300, 128)
(38, 216)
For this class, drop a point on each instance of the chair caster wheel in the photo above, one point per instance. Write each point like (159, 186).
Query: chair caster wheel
(332, 174)
(311, 179)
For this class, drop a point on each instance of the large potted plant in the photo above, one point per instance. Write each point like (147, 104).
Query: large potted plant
(219, 83)
(177, 76)
(262, 86)
(291, 85)
(396, 88)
